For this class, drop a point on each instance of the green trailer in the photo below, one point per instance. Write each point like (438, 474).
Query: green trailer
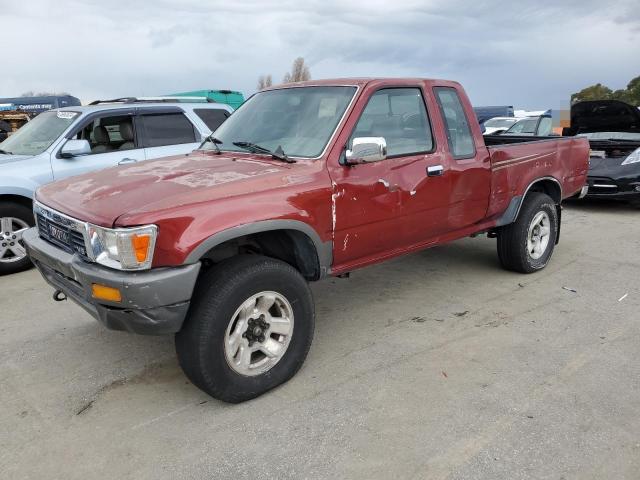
(229, 97)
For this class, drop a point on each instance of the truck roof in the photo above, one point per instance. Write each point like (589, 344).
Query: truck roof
(361, 82)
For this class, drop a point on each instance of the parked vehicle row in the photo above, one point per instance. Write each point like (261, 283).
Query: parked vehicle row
(11, 121)
(300, 183)
(485, 113)
(232, 98)
(613, 130)
(498, 124)
(540, 126)
(38, 104)
(61, 143)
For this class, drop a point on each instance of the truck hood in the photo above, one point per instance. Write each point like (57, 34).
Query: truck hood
(604, 116)
(154, 185)
(6, 158)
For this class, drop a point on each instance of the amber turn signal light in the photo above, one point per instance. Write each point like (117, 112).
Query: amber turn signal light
(140, 244)
(102, 292)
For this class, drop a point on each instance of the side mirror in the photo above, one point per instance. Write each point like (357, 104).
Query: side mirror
(74, 148)
(367, 150)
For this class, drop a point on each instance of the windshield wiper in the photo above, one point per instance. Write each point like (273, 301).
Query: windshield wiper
(214, 140)
(278, 154)
(5, 152)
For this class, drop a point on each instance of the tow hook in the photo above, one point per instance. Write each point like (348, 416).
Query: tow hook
(59, 296)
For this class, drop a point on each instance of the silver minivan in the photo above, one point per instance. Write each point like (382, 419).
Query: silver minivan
(74, 140)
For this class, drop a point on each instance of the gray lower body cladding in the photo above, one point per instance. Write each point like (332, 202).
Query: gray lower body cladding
(153, 302)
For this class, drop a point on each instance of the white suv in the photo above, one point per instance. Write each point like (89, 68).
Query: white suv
(74, 140)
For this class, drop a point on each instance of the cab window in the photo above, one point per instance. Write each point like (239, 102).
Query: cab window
(457, 126)
(400, 116)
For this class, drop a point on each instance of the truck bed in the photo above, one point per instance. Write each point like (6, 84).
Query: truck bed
(517, 161)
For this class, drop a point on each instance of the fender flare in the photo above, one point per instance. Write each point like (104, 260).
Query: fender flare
(513, 210)
(324, 250)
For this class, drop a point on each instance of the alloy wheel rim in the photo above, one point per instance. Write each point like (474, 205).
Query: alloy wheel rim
(11, 246)
(259, 333)
(539, 235)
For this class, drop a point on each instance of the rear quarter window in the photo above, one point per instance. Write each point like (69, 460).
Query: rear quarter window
(212, 117)
(458, 131)
(167, 129)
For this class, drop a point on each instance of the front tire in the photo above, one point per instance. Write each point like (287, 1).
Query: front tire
(526, 245)
(249, 328)
(15, 218)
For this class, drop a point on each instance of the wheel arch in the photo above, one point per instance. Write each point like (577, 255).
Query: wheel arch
(548, 185)
(292, 241)
(21, 199)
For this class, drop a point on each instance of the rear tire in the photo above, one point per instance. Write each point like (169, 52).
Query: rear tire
(526, 245)
(237, 307)
(14, 218)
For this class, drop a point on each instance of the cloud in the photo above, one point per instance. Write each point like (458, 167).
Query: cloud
(531, 54)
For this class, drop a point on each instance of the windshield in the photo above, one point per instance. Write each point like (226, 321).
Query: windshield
(300, 120)
(495, 122)
(524, 126)
(612, 135)
(38, 134)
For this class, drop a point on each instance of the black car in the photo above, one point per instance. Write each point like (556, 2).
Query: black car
(613, 129)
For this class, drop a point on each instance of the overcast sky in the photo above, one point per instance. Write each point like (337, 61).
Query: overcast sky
(531, 54)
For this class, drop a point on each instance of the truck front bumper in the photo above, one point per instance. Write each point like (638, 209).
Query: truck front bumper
(153, 302)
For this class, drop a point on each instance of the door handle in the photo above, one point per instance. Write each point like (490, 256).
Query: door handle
(435, 171)
(124, 161)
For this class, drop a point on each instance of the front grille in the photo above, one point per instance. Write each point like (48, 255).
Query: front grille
(60, 231)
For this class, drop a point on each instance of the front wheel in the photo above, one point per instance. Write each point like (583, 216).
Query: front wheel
(15, 219)
(249, 329)
(527, 244)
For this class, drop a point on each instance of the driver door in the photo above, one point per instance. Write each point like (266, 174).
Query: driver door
(389, 206)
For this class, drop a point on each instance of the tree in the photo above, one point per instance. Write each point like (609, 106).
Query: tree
(594, 92)
(634, 91)
(299, 72)
(622, 95)
(631, 94)
(264, 81)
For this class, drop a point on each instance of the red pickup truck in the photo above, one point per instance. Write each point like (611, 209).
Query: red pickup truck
(301, 182)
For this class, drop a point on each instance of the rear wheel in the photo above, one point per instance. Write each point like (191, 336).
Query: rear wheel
(527, 244)
(249, 329)
(15, 218)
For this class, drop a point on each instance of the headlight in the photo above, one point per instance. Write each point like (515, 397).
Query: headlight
(633, 158)
(123, 248)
